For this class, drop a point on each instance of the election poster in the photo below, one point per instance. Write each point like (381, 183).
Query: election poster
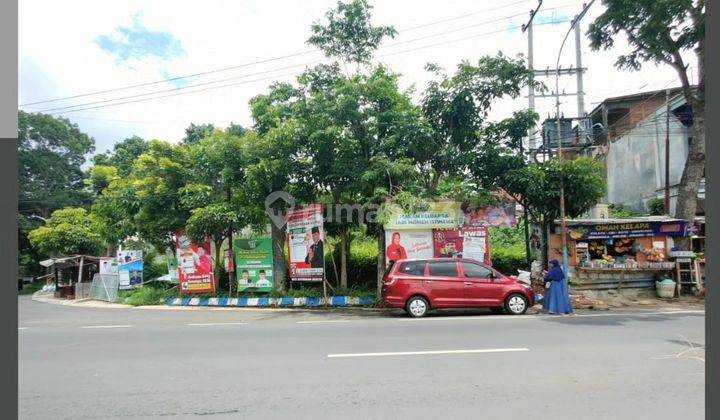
(254, 263)
(129, 269)
(305, 236)
(495, 216)
(195, 273)
(402, 244)
(469, 243)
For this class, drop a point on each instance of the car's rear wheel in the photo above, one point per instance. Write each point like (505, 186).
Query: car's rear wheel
(417, 306)
(516, 304)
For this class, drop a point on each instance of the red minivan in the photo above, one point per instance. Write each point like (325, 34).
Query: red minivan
(420, 285)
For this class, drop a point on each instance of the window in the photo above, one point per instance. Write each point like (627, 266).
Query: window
(413, 268)
(475, 271)
(443, 268)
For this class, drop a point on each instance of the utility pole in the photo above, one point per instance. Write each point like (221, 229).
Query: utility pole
(667, 151)
(531, 135)
(582, 128)
(563, 227)
(531, 89)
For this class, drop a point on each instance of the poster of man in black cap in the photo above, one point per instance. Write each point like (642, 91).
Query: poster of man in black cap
(315, 253)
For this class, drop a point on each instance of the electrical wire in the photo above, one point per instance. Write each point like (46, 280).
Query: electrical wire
(244, 65)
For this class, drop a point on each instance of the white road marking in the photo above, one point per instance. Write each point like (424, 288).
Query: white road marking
(212, 324)
(323, 322)
(529, 317)
(105, 326)
(418, 353)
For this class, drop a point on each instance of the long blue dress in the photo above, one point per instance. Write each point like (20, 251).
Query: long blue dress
(557, 298)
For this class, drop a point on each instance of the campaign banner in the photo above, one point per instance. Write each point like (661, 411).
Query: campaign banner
(402, 244)
(108, 265)
(195, 273)
(440, 215)
(129, 269)
(305, 235)
(254, 261)
(627, 230)
(495, 216)
(470, 242)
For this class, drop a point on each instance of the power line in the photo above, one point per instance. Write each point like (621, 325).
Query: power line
(204, 73)
(85, 107)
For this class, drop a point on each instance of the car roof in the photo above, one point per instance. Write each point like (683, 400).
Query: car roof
(440, 259)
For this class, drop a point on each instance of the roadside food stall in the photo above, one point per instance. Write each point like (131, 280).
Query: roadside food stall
(618, 253)
(69, 272)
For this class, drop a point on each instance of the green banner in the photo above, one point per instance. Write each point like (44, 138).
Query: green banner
(254, 264)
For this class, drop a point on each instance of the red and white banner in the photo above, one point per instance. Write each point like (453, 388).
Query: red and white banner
(468, 242)
(305, 236)
(195, 273)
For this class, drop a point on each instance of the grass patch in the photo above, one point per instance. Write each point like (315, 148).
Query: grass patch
(147, 295)
(31, 288)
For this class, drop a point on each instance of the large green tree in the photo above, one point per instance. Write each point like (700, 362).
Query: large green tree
(661, 32)
(51, 152)
(68, 231)
(123, 154)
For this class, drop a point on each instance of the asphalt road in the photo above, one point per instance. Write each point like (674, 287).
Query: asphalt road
(88, 363)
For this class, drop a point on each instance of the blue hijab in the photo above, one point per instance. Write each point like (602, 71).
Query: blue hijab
(555, 273)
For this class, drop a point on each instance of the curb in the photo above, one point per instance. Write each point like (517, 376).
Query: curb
(272, 302)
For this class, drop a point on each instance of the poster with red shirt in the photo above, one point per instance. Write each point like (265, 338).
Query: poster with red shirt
(469, 242)
(195, 273)
(412, 243)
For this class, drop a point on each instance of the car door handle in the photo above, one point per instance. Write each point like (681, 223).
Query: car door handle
(428, 281)
(468, 283)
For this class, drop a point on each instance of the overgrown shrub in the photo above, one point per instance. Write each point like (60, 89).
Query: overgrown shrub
(146, 295)
(509, 260)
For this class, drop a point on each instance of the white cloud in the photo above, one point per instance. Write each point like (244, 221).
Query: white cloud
(58, 55)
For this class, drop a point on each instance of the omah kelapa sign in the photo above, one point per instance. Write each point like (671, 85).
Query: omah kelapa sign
(627, 230)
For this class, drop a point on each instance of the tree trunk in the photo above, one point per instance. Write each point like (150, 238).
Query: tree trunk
(278, 247)
(686, 205)
(381, 260)
(343, 257)
(218, 248)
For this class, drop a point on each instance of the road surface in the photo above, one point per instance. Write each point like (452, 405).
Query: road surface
(131, 363)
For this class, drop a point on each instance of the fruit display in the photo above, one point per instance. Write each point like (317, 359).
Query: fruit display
(654, 254)
(623, 246)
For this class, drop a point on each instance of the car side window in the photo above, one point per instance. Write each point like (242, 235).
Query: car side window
(443, 268)
(475, 271)
(412, 268)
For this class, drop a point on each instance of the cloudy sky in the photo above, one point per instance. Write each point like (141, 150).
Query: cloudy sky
(76, 48)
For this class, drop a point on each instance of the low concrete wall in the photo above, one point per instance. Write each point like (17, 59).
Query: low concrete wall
(593, 279)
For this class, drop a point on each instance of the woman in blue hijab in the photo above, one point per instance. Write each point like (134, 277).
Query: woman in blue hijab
(557, 299)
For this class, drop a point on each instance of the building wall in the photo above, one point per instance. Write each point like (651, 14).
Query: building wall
(635, 161)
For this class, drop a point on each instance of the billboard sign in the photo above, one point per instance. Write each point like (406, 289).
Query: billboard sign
(129, 269)
(401, 244)
(254, 261)
(195, 273)
(305, 236)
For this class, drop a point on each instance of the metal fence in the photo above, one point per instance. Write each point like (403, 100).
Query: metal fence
(104, 287)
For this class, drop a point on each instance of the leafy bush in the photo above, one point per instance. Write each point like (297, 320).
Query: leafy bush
(656, 206)
(508, 260)
(507, 249)
(618, 211)
(362, 263)
(146, 295)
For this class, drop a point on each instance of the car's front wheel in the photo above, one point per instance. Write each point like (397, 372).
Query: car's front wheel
(516, 304)
(417, 307)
